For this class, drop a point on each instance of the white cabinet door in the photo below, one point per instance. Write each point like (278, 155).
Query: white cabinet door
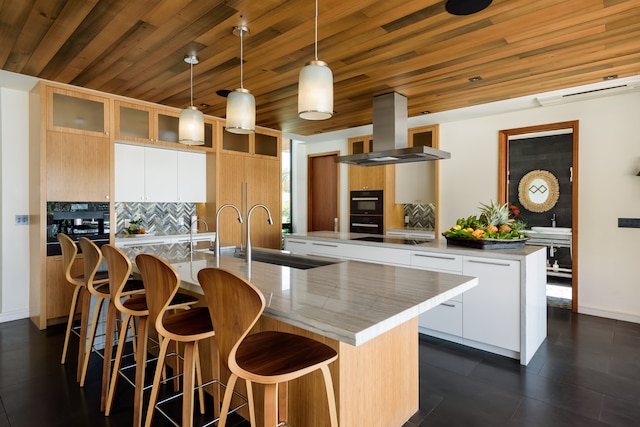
(160, 175)
(491, 312)
(325, 248)
(192, 177)
(377, 254)
(300, 247)
(437, 261)
(446, 317)
(129, 173)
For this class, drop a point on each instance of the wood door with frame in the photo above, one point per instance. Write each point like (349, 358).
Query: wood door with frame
(323, 208)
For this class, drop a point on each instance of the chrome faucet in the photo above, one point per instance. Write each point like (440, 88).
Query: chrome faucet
(228, 205)
(195, 222)
(269, 220)
(553, 220)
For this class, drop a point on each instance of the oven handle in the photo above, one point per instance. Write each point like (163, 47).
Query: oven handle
(359, 224)
(359, 199)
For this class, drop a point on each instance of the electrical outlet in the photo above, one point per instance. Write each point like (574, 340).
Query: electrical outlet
(181, 221)
(22, 219)
(127, 222)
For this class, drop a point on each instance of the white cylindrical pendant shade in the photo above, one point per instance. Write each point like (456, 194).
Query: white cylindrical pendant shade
(191, 126)
(315, 91)
(241, 112)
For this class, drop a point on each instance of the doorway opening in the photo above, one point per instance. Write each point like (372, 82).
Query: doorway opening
(324, 183)
(539, 174)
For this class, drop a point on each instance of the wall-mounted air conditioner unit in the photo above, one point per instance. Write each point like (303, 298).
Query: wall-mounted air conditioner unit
(613, 88)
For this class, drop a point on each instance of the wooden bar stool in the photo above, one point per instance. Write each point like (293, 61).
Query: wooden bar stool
(100, 289)
(161, 282)
(268, 357)
(133, 306)
(69, 253)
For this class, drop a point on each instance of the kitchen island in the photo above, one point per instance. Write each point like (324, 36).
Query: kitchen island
(368, 313)
(505, 314)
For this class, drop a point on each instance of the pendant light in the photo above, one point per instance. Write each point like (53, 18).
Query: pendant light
(241, 105)
(191, 123)
(315, 87)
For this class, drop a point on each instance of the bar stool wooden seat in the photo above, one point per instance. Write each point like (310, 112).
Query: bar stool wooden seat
(100, 289)
(133, 306)
(161, 282)
(69, 254)
(267, 358)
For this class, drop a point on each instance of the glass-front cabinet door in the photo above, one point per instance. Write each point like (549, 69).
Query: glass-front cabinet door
(77, 112)
(133, 122)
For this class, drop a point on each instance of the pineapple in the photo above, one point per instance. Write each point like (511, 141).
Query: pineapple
(494, 214)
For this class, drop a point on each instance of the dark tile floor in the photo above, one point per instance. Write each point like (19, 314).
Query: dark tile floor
(586, 373)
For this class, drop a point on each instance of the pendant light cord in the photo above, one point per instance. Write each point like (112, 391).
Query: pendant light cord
(241, 61)
(191, 84)
(316, 44)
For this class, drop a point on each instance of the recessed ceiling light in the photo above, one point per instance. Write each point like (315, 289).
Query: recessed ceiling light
(475, 79)
(466, 7)
(426, 112)
(611, 77)
(205, 105)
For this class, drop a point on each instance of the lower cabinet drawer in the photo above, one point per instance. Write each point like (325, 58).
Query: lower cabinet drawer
(446, 318)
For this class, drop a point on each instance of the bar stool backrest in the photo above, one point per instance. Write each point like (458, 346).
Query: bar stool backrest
(92, 259)
(161, 283)
(69, 253)
(119, 268)
(235, 305)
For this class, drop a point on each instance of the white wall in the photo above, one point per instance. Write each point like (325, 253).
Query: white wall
(14, 194)
(609, 158)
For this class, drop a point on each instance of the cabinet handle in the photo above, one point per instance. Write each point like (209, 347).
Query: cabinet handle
(448, 258)
(448, 305)
(325, 244)
(502, 264)
(106, 133)
(359, 224)
(296, 241)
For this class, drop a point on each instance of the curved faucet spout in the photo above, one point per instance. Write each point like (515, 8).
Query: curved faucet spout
(269, 221)
(220, 209)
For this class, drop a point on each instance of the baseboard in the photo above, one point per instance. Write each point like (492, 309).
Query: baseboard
(616, 315)
(14, 315)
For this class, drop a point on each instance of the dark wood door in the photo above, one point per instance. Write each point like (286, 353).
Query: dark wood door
(323, 192)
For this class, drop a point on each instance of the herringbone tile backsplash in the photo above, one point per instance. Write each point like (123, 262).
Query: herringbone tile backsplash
(421, 215)
(156, 217)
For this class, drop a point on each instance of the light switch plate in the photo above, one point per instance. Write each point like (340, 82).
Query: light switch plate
(22, 219)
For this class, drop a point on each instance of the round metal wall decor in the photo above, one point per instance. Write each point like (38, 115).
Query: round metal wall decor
(538, 191)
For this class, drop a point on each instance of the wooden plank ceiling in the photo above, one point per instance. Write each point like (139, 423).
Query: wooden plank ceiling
(135, 48)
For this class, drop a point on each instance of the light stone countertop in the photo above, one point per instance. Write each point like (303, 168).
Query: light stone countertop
(123, 237)
(349, 301)
(436, 245)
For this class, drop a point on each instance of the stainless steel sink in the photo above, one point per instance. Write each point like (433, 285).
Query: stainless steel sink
(282, 258)
(553, 230)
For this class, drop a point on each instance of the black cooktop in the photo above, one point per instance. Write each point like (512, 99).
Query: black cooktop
(395, 240)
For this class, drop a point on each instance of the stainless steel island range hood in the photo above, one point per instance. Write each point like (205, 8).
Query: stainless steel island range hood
(390, 145)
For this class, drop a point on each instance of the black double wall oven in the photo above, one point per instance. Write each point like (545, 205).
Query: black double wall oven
(366, 212)
(77, 219)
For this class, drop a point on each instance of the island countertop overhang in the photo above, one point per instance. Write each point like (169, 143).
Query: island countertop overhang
(350, 301)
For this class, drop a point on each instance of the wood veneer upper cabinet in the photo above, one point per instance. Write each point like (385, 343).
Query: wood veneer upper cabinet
(365, 177)
(78, 167)
(143, 123)
(263, 142)
(77, 112)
